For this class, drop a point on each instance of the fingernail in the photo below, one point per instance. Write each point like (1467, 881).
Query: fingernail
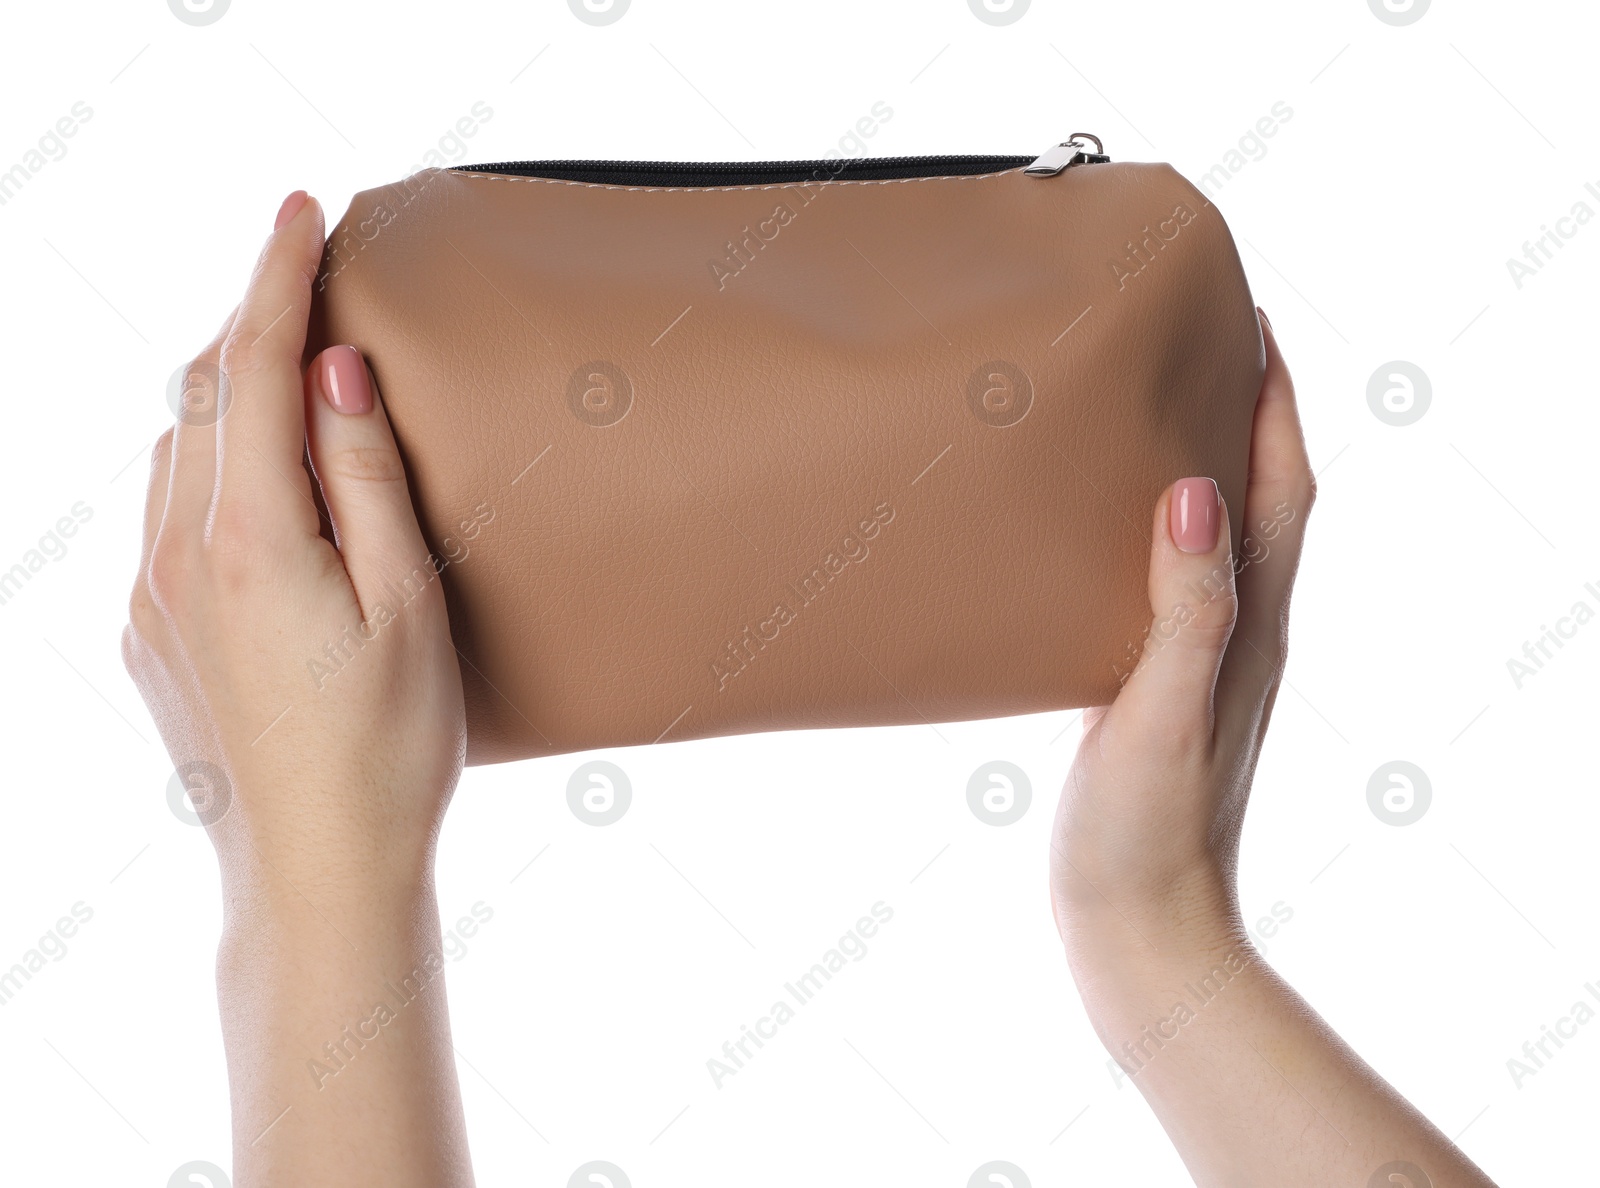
(291, 207)
(1194, 517)
(1263, 314)
(344, 380)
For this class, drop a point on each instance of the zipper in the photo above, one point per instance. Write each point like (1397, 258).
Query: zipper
(1074, 150)
(1071, 152)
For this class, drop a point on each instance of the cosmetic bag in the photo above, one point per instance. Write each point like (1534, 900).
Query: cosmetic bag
(711, 448)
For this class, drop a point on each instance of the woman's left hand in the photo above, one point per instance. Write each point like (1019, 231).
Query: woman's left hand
(306, 686)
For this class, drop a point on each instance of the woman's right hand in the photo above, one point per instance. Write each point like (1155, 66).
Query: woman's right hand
(1147, 834)
(1252, 1087)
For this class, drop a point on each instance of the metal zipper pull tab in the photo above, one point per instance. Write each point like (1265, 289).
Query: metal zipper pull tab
(1072, 151)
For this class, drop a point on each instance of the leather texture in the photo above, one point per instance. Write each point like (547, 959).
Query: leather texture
(702, 461)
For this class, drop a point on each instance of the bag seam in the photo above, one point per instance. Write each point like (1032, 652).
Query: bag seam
(887, 181)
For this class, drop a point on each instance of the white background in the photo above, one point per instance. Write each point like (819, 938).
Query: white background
(1375, 227)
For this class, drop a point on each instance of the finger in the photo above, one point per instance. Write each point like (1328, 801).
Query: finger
(1167, 703)
(194, 447)
(1277, 502)
(143, 618)
(261, 439)
(155, 496)
(362, 478)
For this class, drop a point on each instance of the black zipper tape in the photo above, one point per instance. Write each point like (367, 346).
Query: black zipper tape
(756, 173)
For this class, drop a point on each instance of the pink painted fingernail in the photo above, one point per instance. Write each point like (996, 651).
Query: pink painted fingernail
(291, 207)
(344, 380)
(1194, 518)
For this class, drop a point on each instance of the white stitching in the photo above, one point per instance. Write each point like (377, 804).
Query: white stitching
(889, 181)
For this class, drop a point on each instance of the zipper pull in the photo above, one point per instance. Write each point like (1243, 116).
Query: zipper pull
(1072, 151)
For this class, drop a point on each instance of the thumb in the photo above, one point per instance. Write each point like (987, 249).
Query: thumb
(1168, 699)
(363, 480)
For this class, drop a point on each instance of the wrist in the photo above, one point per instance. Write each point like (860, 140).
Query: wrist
(1174, 905)
(273, 868)
(1162, 1009)
(266, 905)
(1128, 941)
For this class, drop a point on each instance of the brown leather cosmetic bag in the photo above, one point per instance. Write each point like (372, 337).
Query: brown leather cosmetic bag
(704, 449)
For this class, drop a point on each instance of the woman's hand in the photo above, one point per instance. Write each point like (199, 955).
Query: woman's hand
(1252, 1087)
(303, 678)
(1148, 829)
(308, 689)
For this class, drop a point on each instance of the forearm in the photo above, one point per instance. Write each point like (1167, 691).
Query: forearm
(1252, 1086)
(338, 1039)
